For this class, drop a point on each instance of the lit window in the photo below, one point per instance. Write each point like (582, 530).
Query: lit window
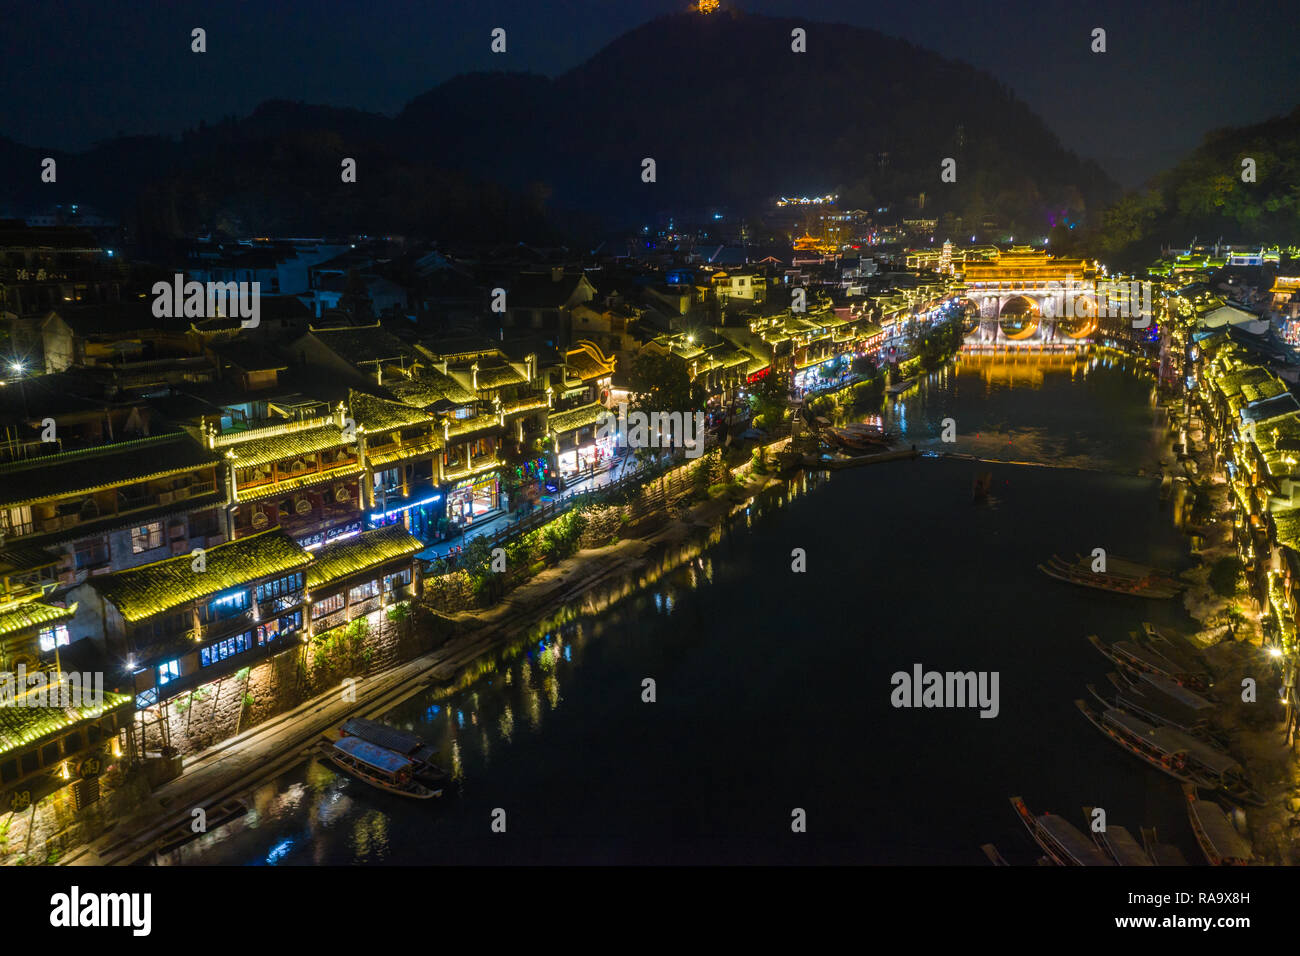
(147, 537)
(168, 672)
(52, 637)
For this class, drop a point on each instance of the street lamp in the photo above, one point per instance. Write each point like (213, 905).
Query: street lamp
(18, 366)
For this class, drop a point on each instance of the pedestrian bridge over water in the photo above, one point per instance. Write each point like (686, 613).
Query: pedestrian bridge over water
(1027, 298)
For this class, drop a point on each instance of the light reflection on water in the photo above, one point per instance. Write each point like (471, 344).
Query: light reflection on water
(468, 721)
(501, 708)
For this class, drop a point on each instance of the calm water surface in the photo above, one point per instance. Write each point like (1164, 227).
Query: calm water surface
(773, 688)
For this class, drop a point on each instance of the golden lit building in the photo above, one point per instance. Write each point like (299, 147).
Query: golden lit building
(1026, 296)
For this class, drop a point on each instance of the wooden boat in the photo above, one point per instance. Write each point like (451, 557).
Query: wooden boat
(1161, 854)
(414, 748)
(1175, 691)
(1061, 841)
(1144, 741)
(1218, 838)
(1123, 568)
(994, 856)
(855, 439)
(1144, 660)
(1174, 752)
(1139, 660)
(868, 430)
(899, 387)
(1126, 698)
(1117, 843)
(376, 766)
(1086, 577)
(1175, 647)
(1158, 708)
(183, 833)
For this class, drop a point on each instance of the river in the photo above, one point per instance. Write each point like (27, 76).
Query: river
(772, 687)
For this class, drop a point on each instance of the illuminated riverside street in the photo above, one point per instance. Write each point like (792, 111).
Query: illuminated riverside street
(772, 687)
(790, 437)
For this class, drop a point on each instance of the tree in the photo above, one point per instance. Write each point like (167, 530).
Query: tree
(771, 396)
(661, 383)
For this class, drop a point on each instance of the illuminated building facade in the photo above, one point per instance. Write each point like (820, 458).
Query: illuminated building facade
(1026, 298)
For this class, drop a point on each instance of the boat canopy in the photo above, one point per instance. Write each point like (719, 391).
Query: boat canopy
(1219, 832)
(1166, 711)
(390, 738)
(1179, 693)
(1080, 848)
(1148, 657)
(1125, 848)
(1133, 725)
(372, 755)
(1207, 756)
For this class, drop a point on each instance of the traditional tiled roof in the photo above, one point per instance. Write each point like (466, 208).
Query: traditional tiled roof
(391, 456)
(32, 614)
(461, 427)
(369, 549)
(378, 414)
(290, 444)
(24, 726)
(527, 404)
(1267, 409)
(1274, 439)
(468, 471)
(460, 348)
(1287, 525)
(574, 418)
(431, 388)
(95, 469)
(370, 343)
(309, 480)
(18, 558)
(584, 365)
(499, 376)
(140, 593)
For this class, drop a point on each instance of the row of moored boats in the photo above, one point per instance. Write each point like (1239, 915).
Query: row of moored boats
(1117, 575)
(1064, 844)
(1158, 709)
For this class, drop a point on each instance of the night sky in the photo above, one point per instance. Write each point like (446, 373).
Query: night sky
(78, 71)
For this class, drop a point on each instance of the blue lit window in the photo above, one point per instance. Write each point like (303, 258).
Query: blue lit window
(169, 671)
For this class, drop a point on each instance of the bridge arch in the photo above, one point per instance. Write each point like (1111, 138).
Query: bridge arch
(1019, 317)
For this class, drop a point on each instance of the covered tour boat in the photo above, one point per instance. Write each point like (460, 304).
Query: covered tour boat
(414, 748)
(1174, 752)
(1117, 843)
(1060, 840)
(378, 767)
(1219, 839)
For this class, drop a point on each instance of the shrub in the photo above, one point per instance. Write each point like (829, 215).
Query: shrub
(1224, 574)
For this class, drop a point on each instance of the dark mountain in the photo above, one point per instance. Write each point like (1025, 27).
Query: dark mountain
(1204, 195)
(729, 113)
